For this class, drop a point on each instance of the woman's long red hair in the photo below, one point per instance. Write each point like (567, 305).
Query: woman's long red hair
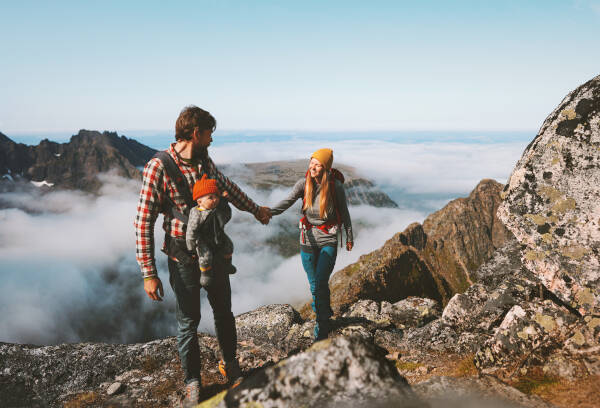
(325, 201)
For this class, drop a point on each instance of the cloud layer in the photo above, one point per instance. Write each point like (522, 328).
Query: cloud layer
(68, 258)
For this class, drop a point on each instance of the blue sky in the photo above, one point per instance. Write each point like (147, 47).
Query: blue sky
(310, 65)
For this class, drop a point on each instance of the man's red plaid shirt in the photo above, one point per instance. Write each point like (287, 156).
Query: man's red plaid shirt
(155, 184)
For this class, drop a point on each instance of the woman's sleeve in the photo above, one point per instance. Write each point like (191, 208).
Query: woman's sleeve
(296, 193)
(343, 209)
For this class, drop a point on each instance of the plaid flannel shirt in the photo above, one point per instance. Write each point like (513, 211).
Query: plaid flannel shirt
(155, 184)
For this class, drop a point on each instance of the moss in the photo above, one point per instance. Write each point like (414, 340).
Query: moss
(578, 338)
(568, 114)
(575, 252)
(320, 345)
(584, 297)
(562, 206)
(150, 363)
(550, 193)
(547, 322)
(466, 367)
(534, 255)
(164, 389)
(407, 365)
(593, 323)
(84, 399)
(536, 219)
(535, 383)
(212, 402)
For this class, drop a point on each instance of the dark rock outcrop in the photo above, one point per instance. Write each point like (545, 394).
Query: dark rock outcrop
(75, 165)
(552, 200)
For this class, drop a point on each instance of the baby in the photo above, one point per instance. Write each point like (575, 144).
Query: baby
(205, 229)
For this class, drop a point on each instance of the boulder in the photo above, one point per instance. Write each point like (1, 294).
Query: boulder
(552, 200)
(268, 324)
(332, 373)
(528, 334)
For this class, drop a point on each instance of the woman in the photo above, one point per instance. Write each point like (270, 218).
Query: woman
(325, 210)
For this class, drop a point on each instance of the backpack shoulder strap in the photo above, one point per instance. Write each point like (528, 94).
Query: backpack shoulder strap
(180, 182)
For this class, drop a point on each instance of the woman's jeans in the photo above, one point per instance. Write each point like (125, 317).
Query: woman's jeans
(318, 267)
(185, 281)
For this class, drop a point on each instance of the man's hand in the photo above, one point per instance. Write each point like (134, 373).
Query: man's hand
(154, 288)
(263, 215)
(349, 245)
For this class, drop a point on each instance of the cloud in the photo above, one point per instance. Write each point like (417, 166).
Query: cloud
(67, 258)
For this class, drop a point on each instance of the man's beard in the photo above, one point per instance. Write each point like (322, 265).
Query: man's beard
(199, 153)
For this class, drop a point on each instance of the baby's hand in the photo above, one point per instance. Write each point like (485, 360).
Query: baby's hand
(225, 194)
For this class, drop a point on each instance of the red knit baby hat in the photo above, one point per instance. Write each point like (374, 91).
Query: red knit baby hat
(205, 186)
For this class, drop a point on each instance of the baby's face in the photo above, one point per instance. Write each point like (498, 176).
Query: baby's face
(208, 202)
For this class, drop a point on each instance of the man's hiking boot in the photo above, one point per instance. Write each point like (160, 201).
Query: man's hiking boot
(232, 372)
(192, 394)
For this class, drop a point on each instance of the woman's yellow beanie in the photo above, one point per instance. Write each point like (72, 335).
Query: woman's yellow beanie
(325, 156)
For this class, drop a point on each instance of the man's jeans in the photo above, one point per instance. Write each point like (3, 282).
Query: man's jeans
(185, 281)
(318, 267)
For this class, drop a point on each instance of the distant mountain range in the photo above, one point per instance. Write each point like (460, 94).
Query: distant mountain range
(76, 165)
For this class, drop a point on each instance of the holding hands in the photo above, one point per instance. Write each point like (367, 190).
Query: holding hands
(263, 215)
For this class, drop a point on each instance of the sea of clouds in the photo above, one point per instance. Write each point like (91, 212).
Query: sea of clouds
(67, 259)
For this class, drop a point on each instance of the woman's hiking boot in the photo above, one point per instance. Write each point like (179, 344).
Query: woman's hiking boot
(192, 394)
(231, 371)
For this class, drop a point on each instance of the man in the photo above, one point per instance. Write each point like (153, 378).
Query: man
(162, 194)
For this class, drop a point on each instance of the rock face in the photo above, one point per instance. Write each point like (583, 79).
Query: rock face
(332, 373)
(434, 260)
(464, 234)
(552, 200)
(76, 164)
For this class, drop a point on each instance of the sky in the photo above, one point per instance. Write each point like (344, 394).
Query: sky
(284, 65)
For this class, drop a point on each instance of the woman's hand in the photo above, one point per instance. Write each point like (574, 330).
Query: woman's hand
(349, 245)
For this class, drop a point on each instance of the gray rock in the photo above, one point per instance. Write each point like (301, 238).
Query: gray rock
(409, 312)
(486, 391)
(412, 311)
(266, 325)
(528, 333)
(552, 200)
(114, 388)
(344, 371)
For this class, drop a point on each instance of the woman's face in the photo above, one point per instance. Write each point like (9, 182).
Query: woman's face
(315, 169)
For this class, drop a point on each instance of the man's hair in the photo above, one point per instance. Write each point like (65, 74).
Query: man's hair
(190, 118)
